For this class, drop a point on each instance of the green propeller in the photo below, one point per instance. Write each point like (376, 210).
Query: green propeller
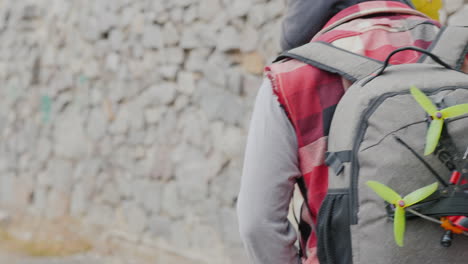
(438, 117)
(390, 196)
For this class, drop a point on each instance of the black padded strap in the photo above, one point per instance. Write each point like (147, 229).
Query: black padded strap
(455, 205)
(451, 45)
(333, 59)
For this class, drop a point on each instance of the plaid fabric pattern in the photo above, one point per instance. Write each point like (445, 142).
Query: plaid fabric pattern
(309, 95)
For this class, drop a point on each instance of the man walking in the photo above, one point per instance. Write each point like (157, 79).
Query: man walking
(293, 111)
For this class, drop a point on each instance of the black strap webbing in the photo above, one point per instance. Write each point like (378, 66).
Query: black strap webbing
(304, 228)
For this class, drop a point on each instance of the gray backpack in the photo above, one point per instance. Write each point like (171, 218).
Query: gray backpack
(380, 133)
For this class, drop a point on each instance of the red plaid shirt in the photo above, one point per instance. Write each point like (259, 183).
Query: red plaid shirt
(309, 95)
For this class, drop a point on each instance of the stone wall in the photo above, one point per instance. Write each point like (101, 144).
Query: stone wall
(132, 115)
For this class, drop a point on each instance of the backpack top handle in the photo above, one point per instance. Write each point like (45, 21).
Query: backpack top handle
(433, 56)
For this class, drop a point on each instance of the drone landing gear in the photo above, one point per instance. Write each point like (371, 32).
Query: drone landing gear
(446, 240)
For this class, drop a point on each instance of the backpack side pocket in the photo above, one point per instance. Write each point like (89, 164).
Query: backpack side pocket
(333, 232)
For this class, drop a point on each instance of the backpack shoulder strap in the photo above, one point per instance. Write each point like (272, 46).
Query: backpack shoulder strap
(333, 59)
(451, 46)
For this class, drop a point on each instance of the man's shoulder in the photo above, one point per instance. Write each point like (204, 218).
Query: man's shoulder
(381, 34)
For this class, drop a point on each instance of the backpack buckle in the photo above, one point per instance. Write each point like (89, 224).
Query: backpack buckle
(336, 160)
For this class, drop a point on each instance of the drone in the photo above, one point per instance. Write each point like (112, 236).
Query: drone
(445, 205)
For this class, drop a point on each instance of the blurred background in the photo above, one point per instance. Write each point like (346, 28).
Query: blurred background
(123, 124)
